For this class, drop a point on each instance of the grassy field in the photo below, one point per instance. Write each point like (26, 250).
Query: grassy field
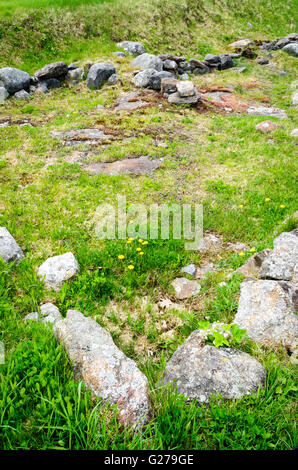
(49, 205)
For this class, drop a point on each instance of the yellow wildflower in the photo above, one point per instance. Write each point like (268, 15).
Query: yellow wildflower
(130, 266)
(241, 253)
(282, 206)
(140, 240)
(252, 250)
(267, 199)
(121, 256)
(241, 205)
(141, 253)
(138, 249)
(145, 242)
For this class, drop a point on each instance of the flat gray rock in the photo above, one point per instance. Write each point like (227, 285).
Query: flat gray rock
(81, 136)
(282, 262)
(148, 61)
(184, 288)
(14, 80)
(128, 166)
(266, 312)
(190, 269)
(9, 249)
(242, 44)
(200, 372)
(265, 111)
(175, 98)
(130, 102)
(99, 73)
(54, 70)
(22, 95)
(104, 369)
(54, 271)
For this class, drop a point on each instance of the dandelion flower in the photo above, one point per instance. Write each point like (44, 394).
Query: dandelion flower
(282, 206)
(130, 266)
(241, 253)
(138, 249)
(145, 242)
(141, 253)
(121, 256)
(140, 240)
(267, 199)
(128, 241)
(241, 205)
(252, 250)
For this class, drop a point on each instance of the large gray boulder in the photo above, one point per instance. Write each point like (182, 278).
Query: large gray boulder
(99, 73)
(266, 311)
(14, 79)
(148, 61)
(282, 262)
(54, 271)
(104, 368)
(54, 70)
(132, 47)
(9, 249)
(200, 371)
(291, 49)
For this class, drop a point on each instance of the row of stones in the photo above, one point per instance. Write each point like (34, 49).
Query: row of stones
(265, 311)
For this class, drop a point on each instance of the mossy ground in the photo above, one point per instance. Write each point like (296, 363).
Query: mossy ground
(209, 156)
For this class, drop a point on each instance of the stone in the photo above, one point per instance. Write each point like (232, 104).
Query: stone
(130, 102)
(170, 65)
(119, 54)
(190, 269)
(282, 263)
(294, 133)
(175, 98)
(242, 44)
(142, 79)
(98, 74)
(210, 242)
(103, 368)
(186, 89)
(48, 84)
(113, 79)
(226, 62)
(173, 57)
(14, 80)
(262, 61)
(240, 69)
(266, 312)
(54, 271)
(265, 111)
(184, 288)
(294, 85)
(201, 371)
(128, 166)
(253, 265)
(155, 80)
(148, 61)
(75, 74)
(33, 316)
(81, 136)
(266, 126)
(212, 60)
(184, 76)
(49, 313)
(3, 94)
(21, 95)
(168, 85)
(9, 249)
(203, 270)
(291, 49)
(54, 70)
(132, 47)
(294, 100)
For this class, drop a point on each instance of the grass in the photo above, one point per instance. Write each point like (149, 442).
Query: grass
(209, 156)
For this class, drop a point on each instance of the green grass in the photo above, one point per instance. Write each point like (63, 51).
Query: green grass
(212, 157)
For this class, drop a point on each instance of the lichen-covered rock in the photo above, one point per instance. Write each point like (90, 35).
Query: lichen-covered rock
(54, 271)
(282, 262)
(14, 80)
(168, 85)
(22, 95)
(54, 70)
(266, 126)
(242, 44)
(104, 368)
(132, 47)
(9, 249)
(253, 265)
(266, 312)
(175, 98)
(186, 89)
(99, 73)
(148, 61)
(265, 111)
(3, 94)
(200, 371)
(142, 79)
(190, 269)
(184, 288)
